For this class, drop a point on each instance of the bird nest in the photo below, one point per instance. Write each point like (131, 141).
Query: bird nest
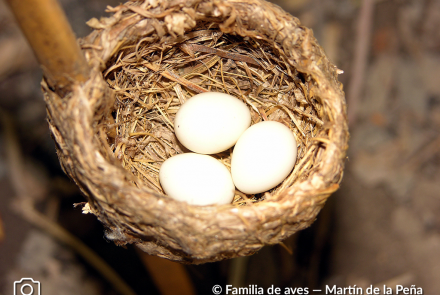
(114, 131)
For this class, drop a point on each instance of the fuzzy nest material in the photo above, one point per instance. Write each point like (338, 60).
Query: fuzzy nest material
(115, 131)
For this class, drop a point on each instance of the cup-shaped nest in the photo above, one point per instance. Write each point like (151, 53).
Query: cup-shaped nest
(114, 131)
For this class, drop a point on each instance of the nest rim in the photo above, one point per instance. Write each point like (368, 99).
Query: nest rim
(170, 229)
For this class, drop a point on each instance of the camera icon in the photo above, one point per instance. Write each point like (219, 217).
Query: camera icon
(27, 286)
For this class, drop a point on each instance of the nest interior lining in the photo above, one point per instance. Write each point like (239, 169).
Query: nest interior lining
(153, 77)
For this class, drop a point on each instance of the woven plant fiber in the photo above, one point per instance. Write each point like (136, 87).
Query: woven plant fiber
(113, 132)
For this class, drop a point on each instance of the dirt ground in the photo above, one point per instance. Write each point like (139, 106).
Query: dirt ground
(381, 228)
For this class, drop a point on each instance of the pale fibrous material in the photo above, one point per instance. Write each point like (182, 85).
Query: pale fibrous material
(114, 131)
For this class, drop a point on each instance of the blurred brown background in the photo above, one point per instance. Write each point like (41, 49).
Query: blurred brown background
(381, 227)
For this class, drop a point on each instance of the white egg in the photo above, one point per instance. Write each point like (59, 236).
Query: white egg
(211, 122)
(263, 157)
(196, 179)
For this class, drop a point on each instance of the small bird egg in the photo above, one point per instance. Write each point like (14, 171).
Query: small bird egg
(263, 157)
(196, 179)
(211, 122)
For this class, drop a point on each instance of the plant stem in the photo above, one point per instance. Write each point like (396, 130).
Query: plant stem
(47, 30)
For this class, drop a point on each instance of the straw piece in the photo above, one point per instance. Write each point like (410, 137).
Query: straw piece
(176, 78)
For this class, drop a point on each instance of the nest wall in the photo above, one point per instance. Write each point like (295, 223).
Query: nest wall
(113, 132)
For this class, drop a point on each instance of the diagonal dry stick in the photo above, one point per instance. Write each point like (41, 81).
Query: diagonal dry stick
(176, 78)
(24, 205)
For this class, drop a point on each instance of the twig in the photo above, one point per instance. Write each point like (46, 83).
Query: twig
(237, 271)
(363, 32)
(47, 30)
(26, 209)
(285, 247)
(24, 205)
(424, 154)
(169, 277)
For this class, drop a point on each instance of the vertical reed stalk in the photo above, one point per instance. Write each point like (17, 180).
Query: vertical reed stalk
(47, 30)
